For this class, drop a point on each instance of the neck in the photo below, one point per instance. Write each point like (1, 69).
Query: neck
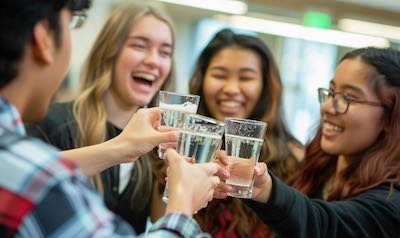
(25, 92)
(118, 114)
(341, 165)
(18, 98)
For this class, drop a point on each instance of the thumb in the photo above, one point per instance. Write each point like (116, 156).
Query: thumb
(210, 168)
(260, 168)
(172, 156)
(155, 116)
(165, 137)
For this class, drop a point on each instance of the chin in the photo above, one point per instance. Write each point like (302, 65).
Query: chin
(330, 149)
(141, 101)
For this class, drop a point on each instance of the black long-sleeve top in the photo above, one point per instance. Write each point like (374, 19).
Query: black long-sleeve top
(373, 213)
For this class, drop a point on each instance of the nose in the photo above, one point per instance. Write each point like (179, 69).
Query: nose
(152, 58)
(232, 86)
(328, 106)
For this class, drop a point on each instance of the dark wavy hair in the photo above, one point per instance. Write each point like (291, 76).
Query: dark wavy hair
(17, 20)
(378, 164)
(277, 150)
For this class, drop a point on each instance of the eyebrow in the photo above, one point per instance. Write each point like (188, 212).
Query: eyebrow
(145, 39)
(246, 69)
(349, 87)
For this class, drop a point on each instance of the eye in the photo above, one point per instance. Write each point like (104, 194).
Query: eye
(218, 76)
(137, 46)
(166, 53)
(350, 97)
(246, 78)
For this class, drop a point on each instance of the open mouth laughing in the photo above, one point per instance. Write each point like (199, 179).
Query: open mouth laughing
(144, 78)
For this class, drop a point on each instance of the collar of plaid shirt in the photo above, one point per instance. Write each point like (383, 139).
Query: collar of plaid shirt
(10, 118)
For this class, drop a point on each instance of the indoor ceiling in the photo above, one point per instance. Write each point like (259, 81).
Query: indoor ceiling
(380, 11)
(391, 5)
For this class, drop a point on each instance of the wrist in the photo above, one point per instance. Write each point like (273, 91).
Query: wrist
(266, 189)
(179, 202)
(122, 151)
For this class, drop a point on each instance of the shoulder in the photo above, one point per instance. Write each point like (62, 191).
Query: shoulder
(385, 192)
(58, 127)
(60, 112)
(380, 202)
(29, 172)
(30, 166)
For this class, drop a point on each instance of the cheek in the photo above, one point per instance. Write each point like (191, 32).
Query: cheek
(128, 58)
(211, 88)
(210, 93)
(364, 130)
(252, 90)
(166, 68)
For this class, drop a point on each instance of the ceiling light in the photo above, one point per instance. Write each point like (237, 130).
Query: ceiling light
(227, 6)
(297, 31)
(369, 28)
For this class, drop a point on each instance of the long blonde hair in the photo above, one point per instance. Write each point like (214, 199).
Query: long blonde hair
(96, 77)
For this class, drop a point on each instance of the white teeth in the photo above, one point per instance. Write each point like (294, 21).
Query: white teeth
(230, 104)
(333, 128)
(148, 77)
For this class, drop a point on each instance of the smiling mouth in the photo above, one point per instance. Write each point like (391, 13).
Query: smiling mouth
(230, 108)
(230, 104)
(144, 78)
(332, 128)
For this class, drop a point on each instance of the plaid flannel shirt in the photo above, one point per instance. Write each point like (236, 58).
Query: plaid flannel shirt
(43, 195)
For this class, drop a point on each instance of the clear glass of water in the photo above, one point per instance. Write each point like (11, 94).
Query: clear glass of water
(173, 107)
(199, 138)
(243, 141)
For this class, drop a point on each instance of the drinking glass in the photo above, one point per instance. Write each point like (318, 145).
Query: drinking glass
(173, 107)
(243, 141)
(199, 138)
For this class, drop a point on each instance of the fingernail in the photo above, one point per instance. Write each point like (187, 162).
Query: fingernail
(226, 174)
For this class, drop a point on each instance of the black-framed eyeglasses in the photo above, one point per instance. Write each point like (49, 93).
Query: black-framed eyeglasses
(78, 9)
(77, 19)
(341, 102)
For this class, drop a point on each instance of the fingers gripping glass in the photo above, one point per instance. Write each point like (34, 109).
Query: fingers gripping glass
(341, 102)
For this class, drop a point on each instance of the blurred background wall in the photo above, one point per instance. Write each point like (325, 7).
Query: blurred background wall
(307, 37)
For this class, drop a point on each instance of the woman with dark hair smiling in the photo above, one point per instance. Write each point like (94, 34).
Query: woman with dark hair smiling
(236, 76)
(352, 166)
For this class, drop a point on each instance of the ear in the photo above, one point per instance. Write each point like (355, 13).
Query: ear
(43, 44)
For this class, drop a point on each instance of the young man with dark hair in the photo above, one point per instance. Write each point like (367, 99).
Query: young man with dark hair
(44, 195)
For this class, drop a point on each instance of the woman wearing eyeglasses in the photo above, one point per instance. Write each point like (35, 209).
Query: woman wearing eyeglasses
(352, 166)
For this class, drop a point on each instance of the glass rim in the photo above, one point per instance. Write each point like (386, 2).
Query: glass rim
(178, 94)
(205, 118)
(218, 126)
(213, 134)
(244, 121)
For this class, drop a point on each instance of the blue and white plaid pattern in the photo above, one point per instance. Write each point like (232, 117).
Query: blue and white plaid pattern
(43, 195)
(10, 119)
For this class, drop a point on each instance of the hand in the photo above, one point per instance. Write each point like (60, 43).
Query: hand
(262, 183)
(190, 186)
(165, 146)
(141, 134)
(262, 180)
(222, 189)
